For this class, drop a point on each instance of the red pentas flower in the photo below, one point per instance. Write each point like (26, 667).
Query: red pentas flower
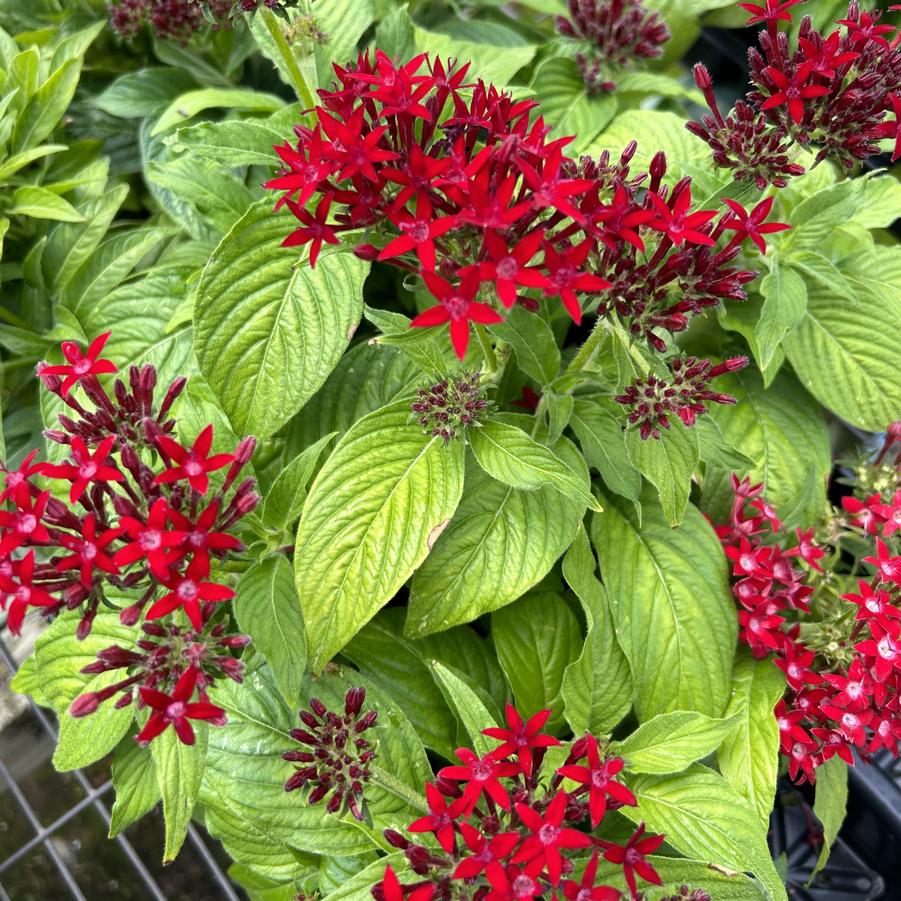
(752, 225)
(177, 710)
(80, 366)
(482, 776)
(128, 483)
(487, 208)
(521, 738)
(597, 778)
(770, 12)
(548, 836)
(633, 857)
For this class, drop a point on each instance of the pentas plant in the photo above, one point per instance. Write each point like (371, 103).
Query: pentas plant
(837, 95)
(455, 182)
(180, 19)
(131, 513)
(840, 649)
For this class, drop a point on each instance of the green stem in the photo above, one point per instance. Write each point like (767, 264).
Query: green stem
(487, 349)
(385, 780)
(301, 87)
(587, 352)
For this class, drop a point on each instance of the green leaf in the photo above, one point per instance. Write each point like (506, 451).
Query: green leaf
(281, 324)
(43, 112)
(135, 781)
(533, 342)
(598, 424)
(814, 219)
(139, 94)
(567, 105)
(402, 669)
(60, 657)
(500, 543)
(883, 200)
(749, 754)
(715, 449)
(509, 455)
(838, 336)
(597, 687)
(536, 639)
(193, 102)
(366, 378)
(775, 427)
(27, 681)
(268, 610)
(286, 496)
(232, 143)
(467, 707)
(672, 741)
(179, 772)
(667, 463)
(830, 804)
(20, 160)
(359, 886)
(107, 267)
(672, 606)
(366, 526)
(785, 300)
(39, 203)
(703, 817)
(495, 65)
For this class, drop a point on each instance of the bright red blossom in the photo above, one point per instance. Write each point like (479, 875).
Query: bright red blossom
(194, 464)
(80, 366)
(177, 710)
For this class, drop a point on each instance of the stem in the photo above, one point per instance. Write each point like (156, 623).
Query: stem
(487, 349)
(389, 783)
(301, 87)
(587, 352)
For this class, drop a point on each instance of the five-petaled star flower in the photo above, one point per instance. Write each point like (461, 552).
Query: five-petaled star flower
(80, 366)
(194, 464)
(177, 710)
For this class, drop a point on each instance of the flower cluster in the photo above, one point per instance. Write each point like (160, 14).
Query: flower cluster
(837, 93)
(450, 406)
(652, 400)
(840, 650)
(613, 33)
(507, 831)
(141, 524)
(180, 19)
(460, 185)
(338, 758)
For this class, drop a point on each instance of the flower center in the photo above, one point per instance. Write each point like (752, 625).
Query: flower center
(176, 710)
(23, 594)
(419, 232)
(481, 771)
(457, 306)
(193, 467)
(27, 523)
(88, 551)
(150, 541)
(82, 367)
(547, 834)
(188, 590)
(87, 470)
(507, 268)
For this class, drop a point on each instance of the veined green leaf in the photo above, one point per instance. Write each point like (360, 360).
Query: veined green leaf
(508, 454)
(467, 706)
(597, 687)
(672, 607)
(830, 804)
(281, 325)
(137, 789)
(193, 102)
(376, 508)
(39, 203)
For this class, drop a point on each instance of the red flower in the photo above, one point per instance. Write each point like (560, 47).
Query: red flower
(893, 129)
(392, 890)
(17, 479)
(884, 648)
(440, 819)
(187, 591)
(632, 857)
(315, 228)
(151, 540)
(873, 603)
(515, 883)
(792, 92)
(193, 464)
(566, 276)
(80, 366)
(774, 10)
(352, 150)
(85, 469)
(677, 223)
(418, 233)
(90, 550)
(508, 268)
(586, 890)
(598, 778)
(549, 189)
(622, 218)
(888, 566)
(825, 57)
(481, 775)
(23, 525)
(457, 307)
(549, 835)
(752, 225)
(521, 738)
(868, 514)
(867, 29)
(307, 170)
(807, 550)
(176, 710)
(487, 853)
(196, 537)
(22, 593)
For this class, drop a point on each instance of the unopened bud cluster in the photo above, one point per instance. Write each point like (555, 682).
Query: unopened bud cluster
(450, 406)
(338, 756)
(652, 400)
(616, 32)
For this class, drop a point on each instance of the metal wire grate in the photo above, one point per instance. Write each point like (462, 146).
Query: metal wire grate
(46, 837)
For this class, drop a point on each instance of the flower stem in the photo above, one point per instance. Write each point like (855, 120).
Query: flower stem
(588, 351)
(487, 349)
(389, 783)
(301, 87)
